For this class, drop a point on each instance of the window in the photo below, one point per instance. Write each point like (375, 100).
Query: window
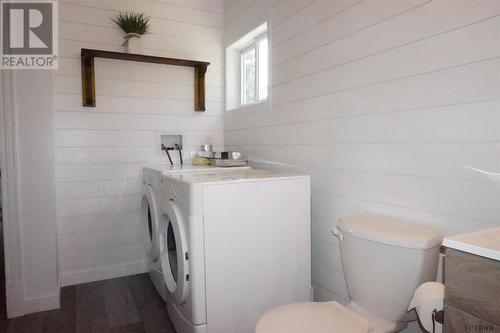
(254, 71)
(247, 69)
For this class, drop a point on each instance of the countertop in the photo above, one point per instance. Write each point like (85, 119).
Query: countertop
(485, 243)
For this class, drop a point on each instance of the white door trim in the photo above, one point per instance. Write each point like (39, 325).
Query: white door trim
(14, 276)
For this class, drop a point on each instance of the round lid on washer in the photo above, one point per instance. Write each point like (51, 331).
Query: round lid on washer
(385, 230)
(317, 317)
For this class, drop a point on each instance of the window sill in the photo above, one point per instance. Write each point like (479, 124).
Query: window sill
(248, 106)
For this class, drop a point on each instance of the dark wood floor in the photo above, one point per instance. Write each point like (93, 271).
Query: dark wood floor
(126, 305)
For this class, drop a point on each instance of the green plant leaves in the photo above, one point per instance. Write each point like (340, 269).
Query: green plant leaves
(133, 23)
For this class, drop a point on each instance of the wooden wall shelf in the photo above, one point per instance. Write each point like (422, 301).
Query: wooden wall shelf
(88, 72)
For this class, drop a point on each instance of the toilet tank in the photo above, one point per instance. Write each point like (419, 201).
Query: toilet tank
(384, 260)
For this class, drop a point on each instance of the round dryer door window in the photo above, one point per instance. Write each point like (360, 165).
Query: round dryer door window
(150, 222)
(174, 253)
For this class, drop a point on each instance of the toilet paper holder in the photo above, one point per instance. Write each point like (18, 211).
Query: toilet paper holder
(428, 304)
(437, 317)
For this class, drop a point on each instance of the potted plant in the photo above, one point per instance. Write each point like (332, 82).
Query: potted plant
(135, 25)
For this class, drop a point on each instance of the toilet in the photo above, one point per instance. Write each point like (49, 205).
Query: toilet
(384, 261)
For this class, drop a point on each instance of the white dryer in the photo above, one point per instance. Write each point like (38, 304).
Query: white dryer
(151, 211)
(233, 246)
(151, 179)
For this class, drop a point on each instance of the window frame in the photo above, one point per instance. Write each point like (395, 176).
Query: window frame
(253, 44)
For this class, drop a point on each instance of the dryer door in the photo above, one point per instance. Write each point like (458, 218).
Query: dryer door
(174, 253)
(150, 222)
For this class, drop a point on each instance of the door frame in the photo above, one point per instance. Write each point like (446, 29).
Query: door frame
(14, 275)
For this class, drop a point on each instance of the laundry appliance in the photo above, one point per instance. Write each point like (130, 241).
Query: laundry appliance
(151, 199)
(233, 245)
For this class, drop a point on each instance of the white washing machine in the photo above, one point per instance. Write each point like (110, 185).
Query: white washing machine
(151, 199)
(233, 246)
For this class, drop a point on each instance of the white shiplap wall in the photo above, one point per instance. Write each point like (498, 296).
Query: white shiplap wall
(100, 151)
(385, 103)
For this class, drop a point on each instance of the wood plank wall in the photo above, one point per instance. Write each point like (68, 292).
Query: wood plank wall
(100, 151)
(384, 103)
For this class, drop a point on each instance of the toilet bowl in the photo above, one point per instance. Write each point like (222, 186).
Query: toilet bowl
(384, 261)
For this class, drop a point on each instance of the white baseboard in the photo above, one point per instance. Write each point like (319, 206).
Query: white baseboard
(42, 303)
(15, 298)
(19, 306)
(70, 277)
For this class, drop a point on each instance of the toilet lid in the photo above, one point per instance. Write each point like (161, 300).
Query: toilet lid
(312, 317)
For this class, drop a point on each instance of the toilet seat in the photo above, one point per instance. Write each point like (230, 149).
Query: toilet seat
(312, 317)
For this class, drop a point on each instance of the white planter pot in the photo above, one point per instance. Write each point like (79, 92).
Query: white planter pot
(133, 43)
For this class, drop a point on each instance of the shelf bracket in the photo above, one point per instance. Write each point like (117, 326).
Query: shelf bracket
(88, 72)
